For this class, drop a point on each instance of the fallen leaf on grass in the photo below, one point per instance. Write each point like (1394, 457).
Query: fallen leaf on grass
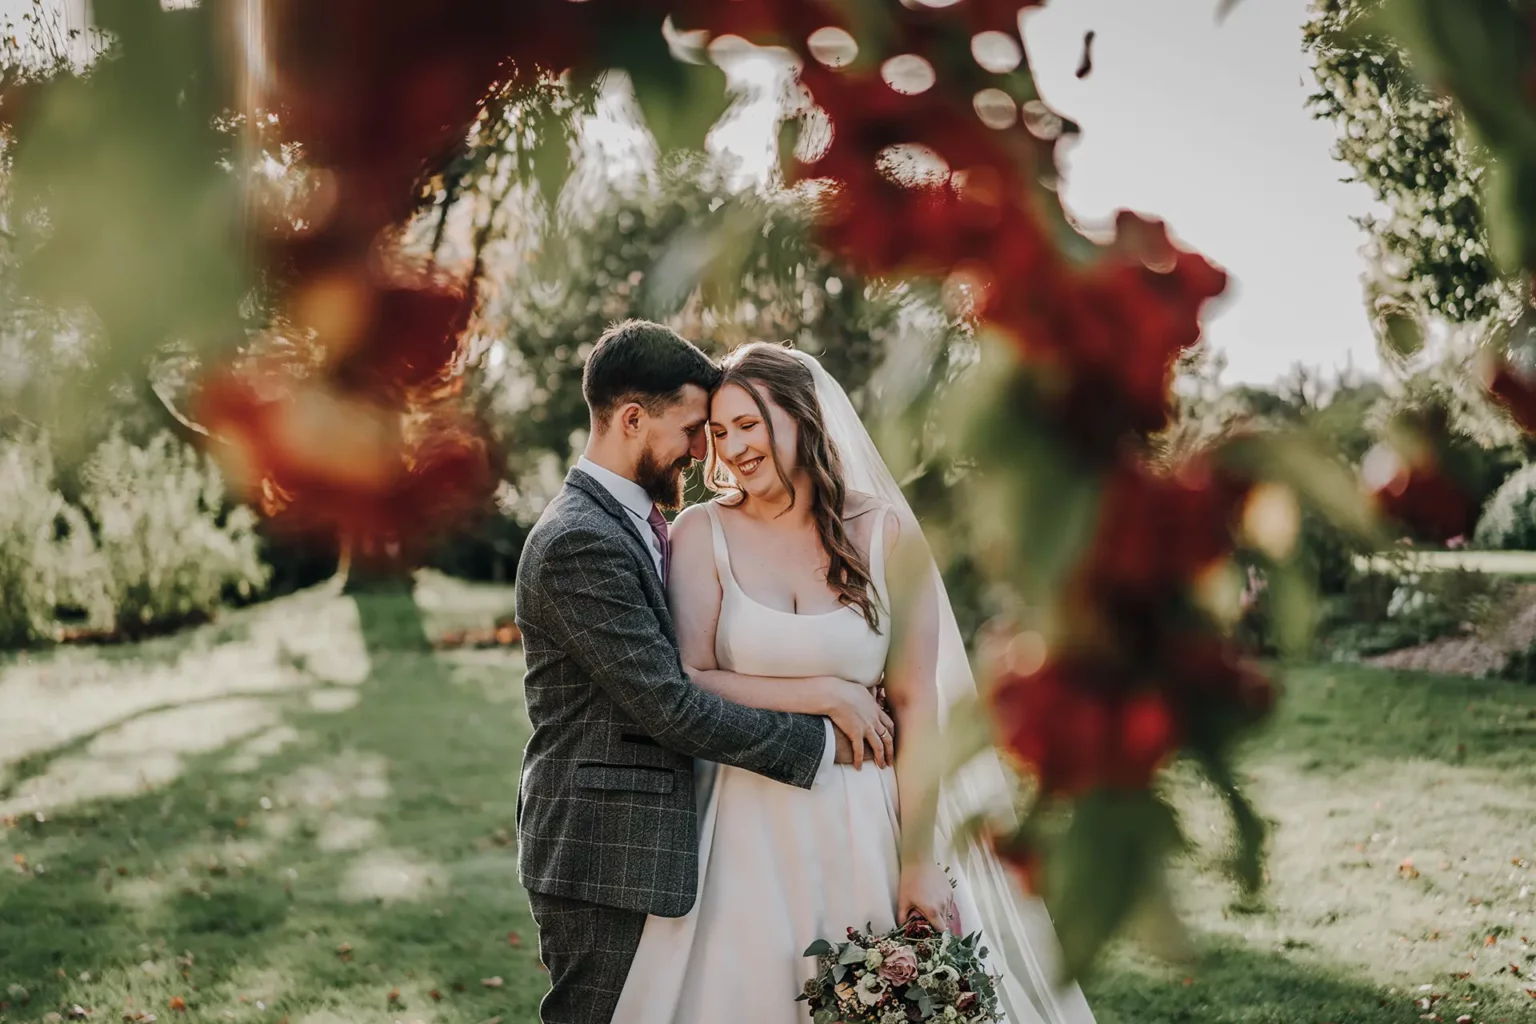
(436, 995)
(514, 939)
(394, 998)
(178, 1004)
(1492, 940)
(494, 982)
(1407, 870)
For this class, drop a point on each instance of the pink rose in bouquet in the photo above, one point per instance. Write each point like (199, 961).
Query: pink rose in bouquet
(899, 966)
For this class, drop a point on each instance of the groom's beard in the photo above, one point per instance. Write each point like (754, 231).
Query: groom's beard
(663, 483)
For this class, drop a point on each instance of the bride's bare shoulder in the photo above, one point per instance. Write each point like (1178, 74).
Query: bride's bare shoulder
(690, 522)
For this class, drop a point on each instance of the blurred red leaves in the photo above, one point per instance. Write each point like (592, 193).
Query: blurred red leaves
(1158, 531)
(1075, 736)
(1137, 668)
(371, 443)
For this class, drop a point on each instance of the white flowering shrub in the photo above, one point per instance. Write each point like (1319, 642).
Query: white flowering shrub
(168, 547)
(45, 544)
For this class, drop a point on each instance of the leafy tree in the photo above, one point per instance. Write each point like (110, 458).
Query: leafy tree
(724, 267)
(1428, 252)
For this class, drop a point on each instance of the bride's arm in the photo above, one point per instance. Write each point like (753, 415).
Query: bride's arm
(694, 595)
(911, 686)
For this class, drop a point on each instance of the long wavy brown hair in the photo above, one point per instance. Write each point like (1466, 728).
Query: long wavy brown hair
(770, 374)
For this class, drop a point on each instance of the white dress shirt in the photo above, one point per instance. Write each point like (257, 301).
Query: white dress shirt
(634, 499)
(639, 505)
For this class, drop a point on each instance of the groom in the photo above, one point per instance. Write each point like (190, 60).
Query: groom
(606, 817)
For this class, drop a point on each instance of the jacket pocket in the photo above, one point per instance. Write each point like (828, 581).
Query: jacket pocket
(625, 778)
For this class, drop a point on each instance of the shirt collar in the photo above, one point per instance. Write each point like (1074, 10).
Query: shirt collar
(628, 493)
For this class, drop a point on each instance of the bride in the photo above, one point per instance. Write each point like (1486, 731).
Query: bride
(785, 576)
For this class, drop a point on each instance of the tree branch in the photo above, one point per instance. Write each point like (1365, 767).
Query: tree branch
(192, 433)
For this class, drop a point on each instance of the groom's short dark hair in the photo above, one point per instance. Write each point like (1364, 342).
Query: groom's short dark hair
(645, 362)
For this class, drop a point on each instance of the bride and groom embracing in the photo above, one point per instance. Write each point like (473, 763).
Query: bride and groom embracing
(711, 784)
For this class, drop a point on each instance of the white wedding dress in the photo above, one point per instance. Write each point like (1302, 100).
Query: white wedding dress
(780, 867)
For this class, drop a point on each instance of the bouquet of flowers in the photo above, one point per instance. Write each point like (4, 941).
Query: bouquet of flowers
(913, 973)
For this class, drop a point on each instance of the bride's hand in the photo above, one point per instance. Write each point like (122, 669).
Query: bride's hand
(925, 890)
(858, 715)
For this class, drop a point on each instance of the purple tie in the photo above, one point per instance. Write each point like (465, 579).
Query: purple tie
(663, 539)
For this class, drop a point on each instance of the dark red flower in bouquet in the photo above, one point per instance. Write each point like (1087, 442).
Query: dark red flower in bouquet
(918, 927)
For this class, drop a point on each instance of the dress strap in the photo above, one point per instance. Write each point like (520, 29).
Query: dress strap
(722, 550)
(877, 556)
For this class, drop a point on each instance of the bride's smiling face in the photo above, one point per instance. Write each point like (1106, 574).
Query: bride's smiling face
(742, 441)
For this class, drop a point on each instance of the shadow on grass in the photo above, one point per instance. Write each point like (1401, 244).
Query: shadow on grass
(350, 859)
(1234, 984)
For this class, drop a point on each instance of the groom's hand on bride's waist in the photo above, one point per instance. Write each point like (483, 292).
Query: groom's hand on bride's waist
(844, 753)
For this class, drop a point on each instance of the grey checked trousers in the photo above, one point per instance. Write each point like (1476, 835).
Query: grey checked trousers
(588, 949)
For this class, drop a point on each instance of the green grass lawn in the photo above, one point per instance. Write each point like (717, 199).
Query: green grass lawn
(299, 813)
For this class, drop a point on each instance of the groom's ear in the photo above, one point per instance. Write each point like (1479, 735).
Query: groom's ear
(630, 418)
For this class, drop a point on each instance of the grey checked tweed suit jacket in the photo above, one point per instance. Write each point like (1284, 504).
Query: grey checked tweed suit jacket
(605, 809)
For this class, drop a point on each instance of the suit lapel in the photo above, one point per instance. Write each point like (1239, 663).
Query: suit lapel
(609, 504)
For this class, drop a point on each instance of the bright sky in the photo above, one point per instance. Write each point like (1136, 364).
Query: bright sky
(1200, 124)
(1203, 125)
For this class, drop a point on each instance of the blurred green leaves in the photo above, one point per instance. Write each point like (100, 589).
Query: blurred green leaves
(1107, 867)
(126, 197)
